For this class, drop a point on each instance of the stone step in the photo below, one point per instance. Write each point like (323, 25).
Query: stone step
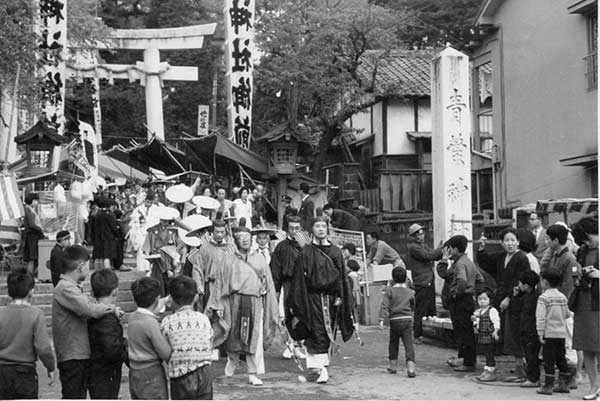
(42, 296)
(48, 288)
(46, 299)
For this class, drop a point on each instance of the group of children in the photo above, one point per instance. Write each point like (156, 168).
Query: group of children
(543, 325)
(89, 346)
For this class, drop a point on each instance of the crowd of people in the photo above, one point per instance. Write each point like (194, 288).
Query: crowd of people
(220, 283)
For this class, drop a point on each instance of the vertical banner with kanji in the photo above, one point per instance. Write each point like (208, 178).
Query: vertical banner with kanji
(52, 29)
(239, 36)
(203, 111)
(97, 111)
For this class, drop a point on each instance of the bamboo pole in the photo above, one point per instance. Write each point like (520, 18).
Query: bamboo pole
(12, 115)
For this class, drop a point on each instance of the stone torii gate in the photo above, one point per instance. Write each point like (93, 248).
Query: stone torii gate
(151, 72)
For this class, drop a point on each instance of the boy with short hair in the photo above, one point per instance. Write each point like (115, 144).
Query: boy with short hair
(551, 323)
(147, 347)
(461, 279)
(108, 347)
(190, 335)
(530, 342)
(71, 309)
(23, 339)
(63, 240)
(398, 305)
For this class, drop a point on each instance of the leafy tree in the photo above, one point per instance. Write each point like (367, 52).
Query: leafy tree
(18, 41)
(436, 22)
(325, 50)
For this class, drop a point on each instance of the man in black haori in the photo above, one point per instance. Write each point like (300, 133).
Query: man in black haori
(319, 301)
(282, 266)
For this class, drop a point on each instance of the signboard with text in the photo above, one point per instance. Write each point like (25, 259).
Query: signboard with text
(239, 49)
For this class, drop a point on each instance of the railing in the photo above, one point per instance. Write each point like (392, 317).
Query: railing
(591, 73)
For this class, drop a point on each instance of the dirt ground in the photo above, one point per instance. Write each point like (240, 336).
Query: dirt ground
(359, 373)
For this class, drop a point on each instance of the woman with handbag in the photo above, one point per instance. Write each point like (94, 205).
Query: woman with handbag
(584, 301)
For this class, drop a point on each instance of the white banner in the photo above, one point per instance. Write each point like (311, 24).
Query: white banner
(52, 28)
(97, 111)
(239, 49)
(203, 113)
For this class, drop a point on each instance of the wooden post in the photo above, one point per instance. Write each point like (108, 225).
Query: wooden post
(327, 184)
(282, 190)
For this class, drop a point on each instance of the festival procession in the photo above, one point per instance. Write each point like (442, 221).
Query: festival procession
(252, 199)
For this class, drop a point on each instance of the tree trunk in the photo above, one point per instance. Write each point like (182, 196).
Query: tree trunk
(329, 132)
(333, 126)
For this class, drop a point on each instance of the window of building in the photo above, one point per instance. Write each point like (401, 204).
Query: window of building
(591, 60)
(484, 108)
(40, 158)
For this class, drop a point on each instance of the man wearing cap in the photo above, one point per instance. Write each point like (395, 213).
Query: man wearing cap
(380, 253)
(341, 219)
(420, 263)
(63, 240)
(319, 301)
(243, 298)
(282, 265)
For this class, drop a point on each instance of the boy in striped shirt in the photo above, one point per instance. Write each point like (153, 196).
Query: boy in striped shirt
(551, 323)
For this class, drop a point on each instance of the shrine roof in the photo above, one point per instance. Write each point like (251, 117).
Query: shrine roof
(401, 72)
(300, 133)
(40, 129)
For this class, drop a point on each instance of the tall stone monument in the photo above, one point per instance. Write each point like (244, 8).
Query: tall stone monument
(451, 148)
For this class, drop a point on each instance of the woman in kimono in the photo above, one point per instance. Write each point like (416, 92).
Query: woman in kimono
(506, 266)
(319, 301)
(163, 247)
(243, 297)
(32, 234)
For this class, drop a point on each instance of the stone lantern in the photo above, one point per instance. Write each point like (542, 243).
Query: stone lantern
(39, 142)
(283, 144)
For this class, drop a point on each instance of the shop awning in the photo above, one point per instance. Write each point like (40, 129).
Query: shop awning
(160, 155)
(229, 154)
(111, 167)
(583, 206)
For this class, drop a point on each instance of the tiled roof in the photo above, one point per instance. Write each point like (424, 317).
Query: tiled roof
(401, 72)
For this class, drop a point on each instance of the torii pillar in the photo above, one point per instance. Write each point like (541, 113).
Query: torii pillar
(151, 72)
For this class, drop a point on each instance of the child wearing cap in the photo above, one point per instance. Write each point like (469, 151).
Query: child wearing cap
(57, 258)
